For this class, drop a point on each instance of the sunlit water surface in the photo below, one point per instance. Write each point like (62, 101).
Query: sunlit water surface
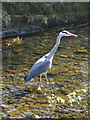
(69, 73)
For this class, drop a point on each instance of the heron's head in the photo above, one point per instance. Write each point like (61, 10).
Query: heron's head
(66, 33)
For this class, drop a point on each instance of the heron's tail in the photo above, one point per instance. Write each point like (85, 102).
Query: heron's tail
(26, 78)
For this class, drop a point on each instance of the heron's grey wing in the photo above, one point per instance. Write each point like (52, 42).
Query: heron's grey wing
(38, 68)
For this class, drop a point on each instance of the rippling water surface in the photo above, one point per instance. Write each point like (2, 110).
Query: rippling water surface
(66, 93)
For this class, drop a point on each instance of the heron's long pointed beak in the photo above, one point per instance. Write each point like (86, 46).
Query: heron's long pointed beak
(73, 35)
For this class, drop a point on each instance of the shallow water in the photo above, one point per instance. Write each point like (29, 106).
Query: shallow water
(69, 74)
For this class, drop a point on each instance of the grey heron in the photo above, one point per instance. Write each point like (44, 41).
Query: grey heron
(45, 63)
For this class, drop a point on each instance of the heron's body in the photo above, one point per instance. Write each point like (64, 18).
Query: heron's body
(41, 66)
(45, 63)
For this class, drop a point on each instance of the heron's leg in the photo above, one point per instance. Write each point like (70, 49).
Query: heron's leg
(39, 88)
(40, 80)
(46, 77)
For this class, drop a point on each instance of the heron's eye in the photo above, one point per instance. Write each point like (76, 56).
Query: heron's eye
(64, 32)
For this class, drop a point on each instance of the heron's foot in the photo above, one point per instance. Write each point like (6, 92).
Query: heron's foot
(47, 82)
(39, 88)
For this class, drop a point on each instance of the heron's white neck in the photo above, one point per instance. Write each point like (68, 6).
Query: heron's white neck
(52, 52)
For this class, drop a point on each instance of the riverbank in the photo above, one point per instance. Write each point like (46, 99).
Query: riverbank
(34, 30)
(30, 18)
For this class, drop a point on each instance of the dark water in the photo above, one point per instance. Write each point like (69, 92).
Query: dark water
(66, 94)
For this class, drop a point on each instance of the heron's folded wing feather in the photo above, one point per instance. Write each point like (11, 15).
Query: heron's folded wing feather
(39, 68)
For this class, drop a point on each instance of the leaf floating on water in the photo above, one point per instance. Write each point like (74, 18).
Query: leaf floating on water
(84, 90)
(64, 56)
(13, 42)
(18, 49)
(79, 98)
(84, 51)
(36, 116)
(42, 45)
(61, 100)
